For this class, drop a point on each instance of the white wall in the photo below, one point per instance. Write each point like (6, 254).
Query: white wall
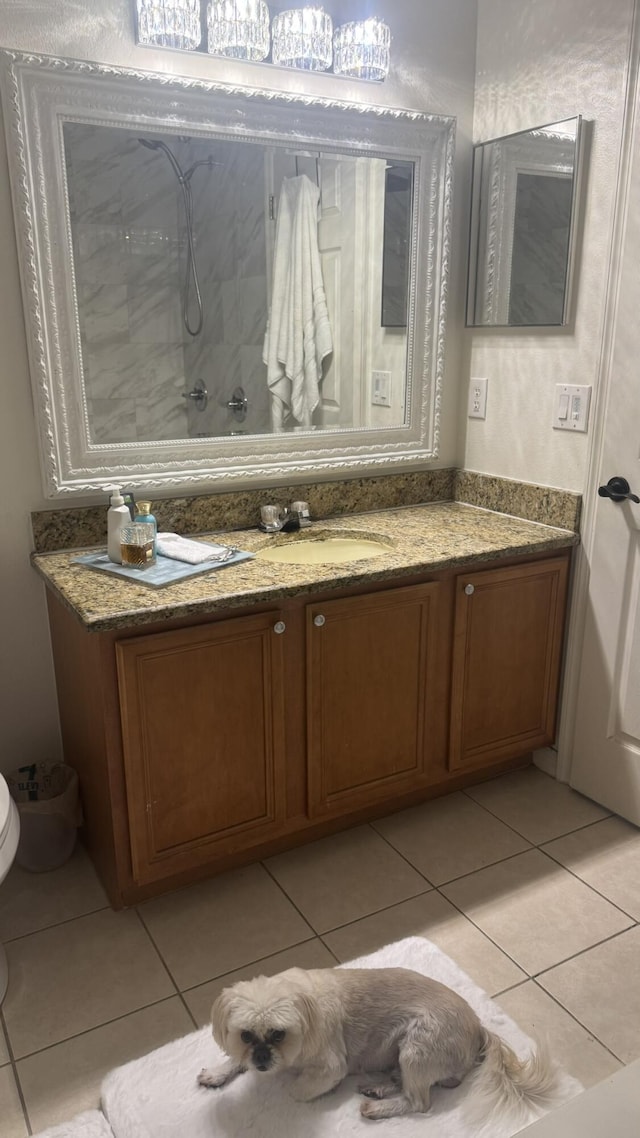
(433, 68)
(540, 62)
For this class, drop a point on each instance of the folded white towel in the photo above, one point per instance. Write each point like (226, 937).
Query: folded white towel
(194, 552)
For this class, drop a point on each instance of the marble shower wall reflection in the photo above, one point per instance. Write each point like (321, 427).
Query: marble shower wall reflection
(129, 244)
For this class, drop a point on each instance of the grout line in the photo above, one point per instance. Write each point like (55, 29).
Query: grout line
(96, 1027)
(161, 958)
(574, 1017)
(59, 924)
(289, 899)
(590, 886)
(582, 952)
(249, 963)
(12, 1064)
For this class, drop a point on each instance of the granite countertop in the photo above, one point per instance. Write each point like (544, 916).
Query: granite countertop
(427, 538)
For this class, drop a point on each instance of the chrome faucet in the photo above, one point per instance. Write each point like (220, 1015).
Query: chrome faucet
(274, 519)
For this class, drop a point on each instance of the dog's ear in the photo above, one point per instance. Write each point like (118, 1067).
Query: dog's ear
(306, 1008)
(220, 1017)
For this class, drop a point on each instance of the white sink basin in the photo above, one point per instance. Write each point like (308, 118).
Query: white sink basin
(327, 549)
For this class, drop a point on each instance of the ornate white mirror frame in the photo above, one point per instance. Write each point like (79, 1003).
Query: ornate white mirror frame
(40, 95)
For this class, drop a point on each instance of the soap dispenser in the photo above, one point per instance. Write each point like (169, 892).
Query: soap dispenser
(117, 516)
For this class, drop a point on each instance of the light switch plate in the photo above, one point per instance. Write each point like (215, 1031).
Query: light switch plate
(477, 399)
(381, 388)
(571, 407)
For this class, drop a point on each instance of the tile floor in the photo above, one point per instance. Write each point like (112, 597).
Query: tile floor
(532, 889)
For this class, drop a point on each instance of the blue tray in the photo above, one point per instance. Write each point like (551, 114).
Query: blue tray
(166, 571)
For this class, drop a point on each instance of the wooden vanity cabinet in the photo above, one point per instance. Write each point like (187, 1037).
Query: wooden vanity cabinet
(508, 633)
(371, 697)
(203, 716)
(216, 741)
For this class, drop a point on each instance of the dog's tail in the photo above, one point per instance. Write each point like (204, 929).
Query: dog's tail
(510, 1089)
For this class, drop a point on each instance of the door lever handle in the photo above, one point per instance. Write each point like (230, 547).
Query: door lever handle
(618, 490)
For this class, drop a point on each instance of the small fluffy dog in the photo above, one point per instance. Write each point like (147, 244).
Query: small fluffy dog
(412, 1032)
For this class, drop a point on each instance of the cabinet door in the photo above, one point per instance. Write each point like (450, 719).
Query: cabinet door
(370, 700)
(202, 723)
(506, 661)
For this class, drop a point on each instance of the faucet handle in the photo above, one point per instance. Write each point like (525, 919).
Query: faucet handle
(300, 510)
(272, 518)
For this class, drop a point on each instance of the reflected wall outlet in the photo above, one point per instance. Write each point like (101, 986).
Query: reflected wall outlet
(477, 399)
(571, 407)
(381, 388)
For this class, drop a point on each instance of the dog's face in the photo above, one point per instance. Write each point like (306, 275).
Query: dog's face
(260, 1023)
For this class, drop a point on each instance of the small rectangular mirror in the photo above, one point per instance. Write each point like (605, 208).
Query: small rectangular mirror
(523, 220)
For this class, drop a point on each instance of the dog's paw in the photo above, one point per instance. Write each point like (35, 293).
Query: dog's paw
(213, 1079)
(377, 1090)
(382, 1088)
(372, 1110)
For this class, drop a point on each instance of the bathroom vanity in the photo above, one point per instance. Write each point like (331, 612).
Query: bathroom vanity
(263, 705)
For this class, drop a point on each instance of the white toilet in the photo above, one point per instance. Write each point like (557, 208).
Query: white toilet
(9, 834)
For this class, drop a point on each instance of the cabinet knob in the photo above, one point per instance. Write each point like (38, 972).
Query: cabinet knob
(469, 589)
(279, 626)
(319, 620)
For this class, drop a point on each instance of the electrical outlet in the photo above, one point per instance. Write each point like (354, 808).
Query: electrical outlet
(381, 388)
(478, 399)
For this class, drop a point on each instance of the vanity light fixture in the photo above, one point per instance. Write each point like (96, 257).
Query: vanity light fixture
(238, 28)
(302, 38)
(361, 49)
(169, 23)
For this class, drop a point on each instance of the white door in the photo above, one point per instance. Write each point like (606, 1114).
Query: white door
(606, 752)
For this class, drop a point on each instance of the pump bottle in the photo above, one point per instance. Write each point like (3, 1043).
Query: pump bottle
(117, 516)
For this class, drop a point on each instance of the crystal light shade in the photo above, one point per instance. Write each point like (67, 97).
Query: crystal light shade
(169, 23)
(302, 38)
(238, 28)
(361, 49)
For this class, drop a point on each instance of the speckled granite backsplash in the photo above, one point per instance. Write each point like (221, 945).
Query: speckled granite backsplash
(542, 504)
(77, 528)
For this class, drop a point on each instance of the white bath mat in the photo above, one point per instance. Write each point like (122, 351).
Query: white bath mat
(158, 1096)
(89, 1124)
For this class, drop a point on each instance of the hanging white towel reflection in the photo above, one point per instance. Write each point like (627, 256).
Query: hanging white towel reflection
(298, 336)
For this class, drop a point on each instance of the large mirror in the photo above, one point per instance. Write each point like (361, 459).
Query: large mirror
(523, 221)
(224, 283)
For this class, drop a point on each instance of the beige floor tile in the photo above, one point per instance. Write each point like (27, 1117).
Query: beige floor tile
(12, 1121)
(4, 1050)
(535, 910)
(574, 1048)
(66, 1079)
(311, 954)
(32, 901)
(606, 856)
(344, 877)
(435, 919)
(76, 976)
(536, 805)
(601, 988)
(449, 837)
(232, 920)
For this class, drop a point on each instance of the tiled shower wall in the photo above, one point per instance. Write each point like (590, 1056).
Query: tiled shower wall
(129, 237)
(130, 258)
(229, 211)
(124, 221)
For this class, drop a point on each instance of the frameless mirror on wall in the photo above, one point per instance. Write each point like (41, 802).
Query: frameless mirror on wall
(523, 218)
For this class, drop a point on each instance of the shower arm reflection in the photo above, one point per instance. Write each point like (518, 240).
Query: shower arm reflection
(191, 272)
